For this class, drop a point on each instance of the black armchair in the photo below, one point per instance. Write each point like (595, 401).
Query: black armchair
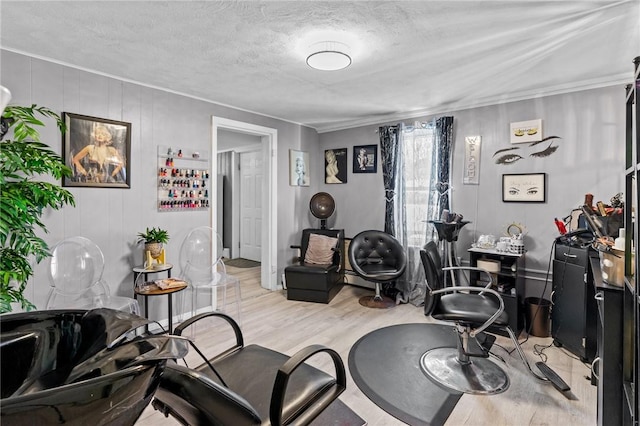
(473, 310)
(248, 385)
(377, 257)
(318, 273)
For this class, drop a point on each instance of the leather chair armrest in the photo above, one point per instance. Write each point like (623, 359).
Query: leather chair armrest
(234, 325)
(298, 258)
(322, 401)
(479, 290)
(471, 268)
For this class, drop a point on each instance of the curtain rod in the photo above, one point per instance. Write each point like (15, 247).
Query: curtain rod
(423, 124)
(392, 127)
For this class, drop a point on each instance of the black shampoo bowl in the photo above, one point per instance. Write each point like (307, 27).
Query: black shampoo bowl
(79, 367)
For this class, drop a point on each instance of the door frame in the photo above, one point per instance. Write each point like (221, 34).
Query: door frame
(269, 139)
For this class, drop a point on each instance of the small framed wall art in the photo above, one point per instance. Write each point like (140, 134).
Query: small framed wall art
(526, 131)
(98, 151)
(335, 165)
(298, 168)
(524, 188)
(365, 159)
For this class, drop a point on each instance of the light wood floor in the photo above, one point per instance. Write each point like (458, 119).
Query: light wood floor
(270, 320)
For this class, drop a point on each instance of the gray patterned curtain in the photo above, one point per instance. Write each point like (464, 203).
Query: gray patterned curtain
(444, 141)
(389, 159)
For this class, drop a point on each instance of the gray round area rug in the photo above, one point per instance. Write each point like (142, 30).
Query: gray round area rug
(385, 365)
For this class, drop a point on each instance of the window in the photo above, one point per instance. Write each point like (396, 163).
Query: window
(416, 189)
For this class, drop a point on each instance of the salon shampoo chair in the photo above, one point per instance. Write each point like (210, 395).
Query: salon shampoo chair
(248, 385)
(318, 274)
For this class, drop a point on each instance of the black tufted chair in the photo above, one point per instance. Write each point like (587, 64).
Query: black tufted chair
(377, 257)
(473, 310)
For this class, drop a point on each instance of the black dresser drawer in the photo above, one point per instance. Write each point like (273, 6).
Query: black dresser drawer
(572, 255)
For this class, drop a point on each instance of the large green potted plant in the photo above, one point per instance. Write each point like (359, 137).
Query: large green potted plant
(24, 198)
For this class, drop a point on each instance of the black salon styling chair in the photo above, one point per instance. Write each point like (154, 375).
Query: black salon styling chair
(248, 385)
(472, 310)
(318, 273)
(377, 257)
(80, 367)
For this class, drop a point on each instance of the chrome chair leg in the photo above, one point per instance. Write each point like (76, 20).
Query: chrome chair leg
(523, 356)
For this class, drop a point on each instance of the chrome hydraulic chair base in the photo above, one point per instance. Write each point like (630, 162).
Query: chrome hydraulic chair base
(479, 376)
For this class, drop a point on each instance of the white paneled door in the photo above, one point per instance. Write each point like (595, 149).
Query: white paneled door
(251, 205)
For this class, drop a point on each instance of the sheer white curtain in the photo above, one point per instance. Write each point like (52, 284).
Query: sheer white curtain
(415, 203)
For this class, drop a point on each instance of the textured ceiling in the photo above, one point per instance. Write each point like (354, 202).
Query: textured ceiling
(410, 58)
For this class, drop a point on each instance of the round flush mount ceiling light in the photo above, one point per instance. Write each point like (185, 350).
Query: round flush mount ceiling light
(329, 56)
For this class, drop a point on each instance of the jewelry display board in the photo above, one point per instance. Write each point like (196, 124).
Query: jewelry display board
(183, 179)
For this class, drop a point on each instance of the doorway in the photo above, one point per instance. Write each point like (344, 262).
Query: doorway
(267, 188)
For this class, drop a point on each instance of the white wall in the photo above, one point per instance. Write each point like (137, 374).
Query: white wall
(590, 159)
(113, 217)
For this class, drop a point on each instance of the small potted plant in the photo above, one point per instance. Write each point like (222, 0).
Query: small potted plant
(154, 239)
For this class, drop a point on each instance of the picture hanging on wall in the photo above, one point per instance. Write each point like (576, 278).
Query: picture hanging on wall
(335, 165)
(524, 188)
(365, 159)
(298, 168)
(526, 131)
(97, 150)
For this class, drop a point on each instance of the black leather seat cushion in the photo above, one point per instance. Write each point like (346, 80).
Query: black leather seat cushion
(196, 400)
(251, 372)
(379, 271)
(312, 277)
(468, 309)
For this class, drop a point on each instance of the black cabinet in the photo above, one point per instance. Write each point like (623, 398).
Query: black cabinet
(573, 320)
(607, 367)
(631, 298)
(509, 281)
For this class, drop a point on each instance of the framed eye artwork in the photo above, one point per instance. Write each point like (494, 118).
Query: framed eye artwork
(524, 188)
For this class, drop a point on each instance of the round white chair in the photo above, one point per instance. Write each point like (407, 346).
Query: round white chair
(203, 269)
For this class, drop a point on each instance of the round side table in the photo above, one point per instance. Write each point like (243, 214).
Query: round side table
(158, 269)
(153, 290)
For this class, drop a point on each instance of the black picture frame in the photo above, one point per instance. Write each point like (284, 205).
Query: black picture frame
(97, 150)
(365, 159)
(335, 166)
(524, 188)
